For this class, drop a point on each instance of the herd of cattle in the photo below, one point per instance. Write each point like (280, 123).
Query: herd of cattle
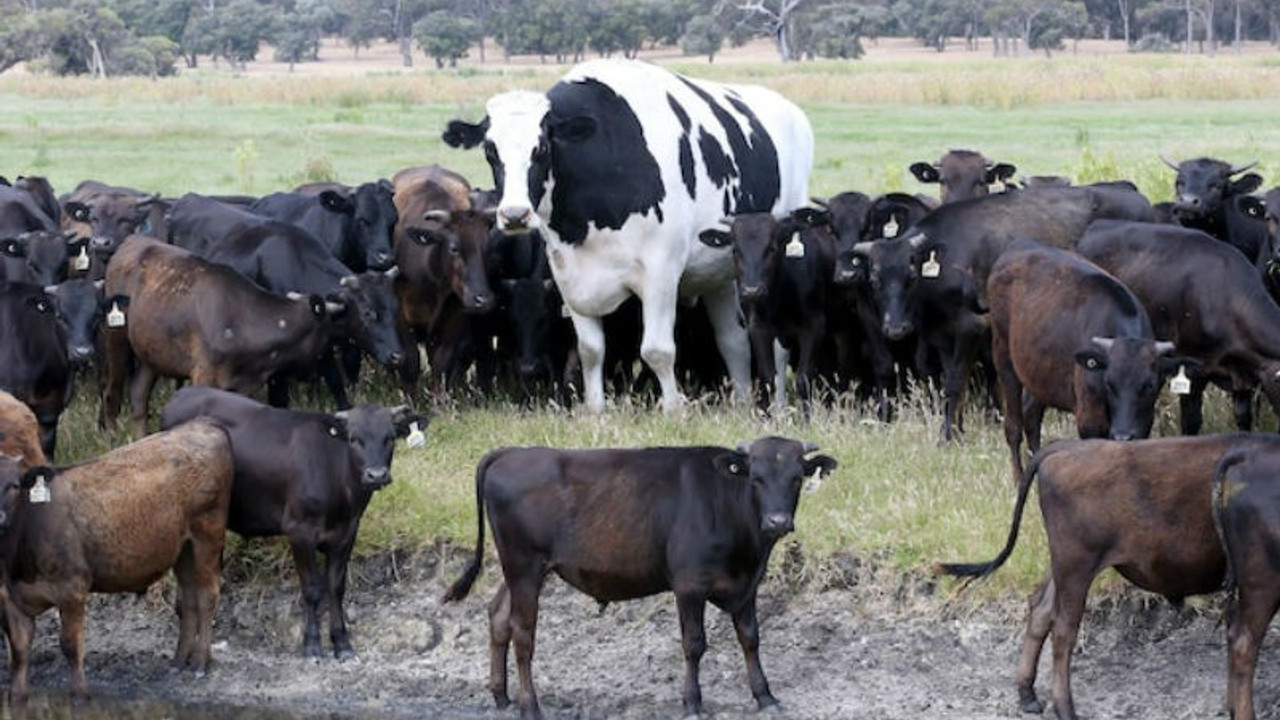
(636, 215)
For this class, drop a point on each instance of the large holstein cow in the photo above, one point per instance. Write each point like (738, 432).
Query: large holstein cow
(116, 524)
(1140, 507)
(624, 524)
(620, 165)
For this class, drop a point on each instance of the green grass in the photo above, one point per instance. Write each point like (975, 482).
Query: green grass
(899, 501)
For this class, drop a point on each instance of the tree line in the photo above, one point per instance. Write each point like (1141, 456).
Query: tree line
(157, 37)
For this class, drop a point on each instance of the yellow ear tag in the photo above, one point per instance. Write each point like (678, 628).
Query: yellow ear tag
(930, 268)
(115, 317)
(1180, 384)
(891, 228)
(82, 260)
(415, 439)
(39, 492)
(795, 248)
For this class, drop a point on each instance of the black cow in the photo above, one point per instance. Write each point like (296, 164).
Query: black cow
(1067, 335)
(354, 223)
(963, 174)
(1207, 197)
(308, 476)
(38, 256)
(623, 524)
(1180, 275)
(82, 308)
(1268, 259)
(1140, 507)
(33, 358)
(20, 212)
(1246, 508)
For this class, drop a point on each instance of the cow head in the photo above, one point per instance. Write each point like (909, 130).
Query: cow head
(891, 271)
(14, 484)
(81, 308)
(846, 214)
(754, 239)
(459, 239)
(108, 218)
(963, 174)
(1122, 378)
(370, 432)
(370, 316)
(518, 134)
(374, 215)
(1203, 185)
(38, 257)
(532, 305)
(776, 469)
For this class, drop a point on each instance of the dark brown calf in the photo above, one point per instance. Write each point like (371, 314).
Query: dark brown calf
(1246, 493)
(118, 524)
(962, 174)
(1141, 507)
(623, 524)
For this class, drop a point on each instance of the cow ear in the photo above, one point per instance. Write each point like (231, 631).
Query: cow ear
(334, 201)
(1246, 184)
(119, 301)
(735, 464)
(824, 464)
(12, 248)
(1000, 172)
(575, 129)
(925, 172)
(1254, 207)
(1091, 359)
(40, 302)
(716, 238)
(465, 135)
(335, 426)
(77, 210)
(407, 421)
(1171, 365)
(36, 474)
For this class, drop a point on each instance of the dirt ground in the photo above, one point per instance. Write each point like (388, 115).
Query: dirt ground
(864, 646)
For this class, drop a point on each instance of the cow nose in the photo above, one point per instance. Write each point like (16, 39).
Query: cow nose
(1122, 435)
(395, 359)
(514, 216)
(101, 243)
(896, 330)
(777, 524)
(482, 303)
(80, 353)
(377, 477)
(381, 261)
(752, 292)
(528, 367)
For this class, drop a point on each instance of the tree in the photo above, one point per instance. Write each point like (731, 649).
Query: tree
(836, 30)
(617, 26)
(445, 37)
(298, 31)
(770, 17)
(702, 36)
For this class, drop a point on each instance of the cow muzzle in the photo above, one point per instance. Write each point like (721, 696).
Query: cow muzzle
(516, 218)
(376, 477)
(775, 525)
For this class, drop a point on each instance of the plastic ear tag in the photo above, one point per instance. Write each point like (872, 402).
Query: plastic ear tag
(891, 228)
(795, 248)
(39, 493)
(814, 482)
(415, 439)
(82, 260)
(1180, 384)
(930, 268)
(564, 311)
(115, 316)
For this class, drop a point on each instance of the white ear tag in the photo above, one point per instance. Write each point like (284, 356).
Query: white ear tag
(82, 260)
(39, 492)
(564, 311)
(115, 317)
(930, 268)
(795, 248)
(1180, 384)
(891, 228)
(415, 439)
(814, 482)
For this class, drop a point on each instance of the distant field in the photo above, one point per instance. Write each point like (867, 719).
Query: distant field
(898, 502)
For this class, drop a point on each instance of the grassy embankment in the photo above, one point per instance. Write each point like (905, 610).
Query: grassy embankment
(898, 501)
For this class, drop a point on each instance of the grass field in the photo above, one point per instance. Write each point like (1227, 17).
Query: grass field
(899, 501)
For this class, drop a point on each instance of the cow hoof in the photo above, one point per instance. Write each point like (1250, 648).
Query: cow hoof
(774, 709)
(347, 655)
(1033, 707)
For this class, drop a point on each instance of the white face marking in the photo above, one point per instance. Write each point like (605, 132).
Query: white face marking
(515, 129)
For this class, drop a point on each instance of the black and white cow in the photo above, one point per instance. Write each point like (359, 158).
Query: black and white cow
(620, 165)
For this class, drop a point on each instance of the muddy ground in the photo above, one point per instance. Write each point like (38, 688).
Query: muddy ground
(852, 645)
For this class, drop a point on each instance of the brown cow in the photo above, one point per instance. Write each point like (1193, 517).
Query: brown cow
(1141, 507)
(107, 214)
(19, 432)
(962, 174)
(118, 524)
(190, 318)
(1246, 492)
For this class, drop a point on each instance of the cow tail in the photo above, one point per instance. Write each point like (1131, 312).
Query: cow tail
(977, 570)
(1219, 505)
(462, 586)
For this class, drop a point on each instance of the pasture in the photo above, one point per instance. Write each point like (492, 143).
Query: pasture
(899, 501)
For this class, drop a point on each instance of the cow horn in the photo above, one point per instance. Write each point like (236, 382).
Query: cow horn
(392, 272)
(349, 281)
(50, 289)
(862, 248)
(745, 446)
(808, 447)
(917, 240)
(1164, 347)
(438, 215)
(333, 308)
(1237, 169)
(295, 295)
(1103, 342)
(820, 202)
(342, 414)
(99, 284)
(1168, 162)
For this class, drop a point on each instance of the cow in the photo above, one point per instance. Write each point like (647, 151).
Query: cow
(307, 476)
(20, 433)
(33, 358)
(36, 256)
(620, 165)
(934, 276)
(1140, 507)
(354, 223)
(441, 245)
(107, 214)
(1207, 197)
(190, 318)
(962, 174)
(20, 212)
(115, 524)
(41, 190)
(1179, 275)
(784, 271)
(1268, 259)
(1246, 497)
(620, 524)
(1067, 335)
(82, 308)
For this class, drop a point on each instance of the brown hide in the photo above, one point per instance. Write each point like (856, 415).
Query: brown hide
(19, 432)
(118, 524)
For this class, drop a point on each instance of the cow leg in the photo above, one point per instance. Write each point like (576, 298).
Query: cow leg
(1011, 394)
(762, 351)
(198, 572)
(71, 640)
(1253, 612)
(956, 368)
(331, 373)
(1191, 407)
(113, 372)
(21, 630)
(524, 625)
(748, 630)
(312, 586)
(499, 643)
(693, 638)
(140, 386)
(658, 342)
(590, 331)
(336, 565)
(1039, 619)
(725, 314)
(1033, 419)
(1242, 401)
(1068, 609)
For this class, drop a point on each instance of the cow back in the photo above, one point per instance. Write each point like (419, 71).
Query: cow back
(19, 433)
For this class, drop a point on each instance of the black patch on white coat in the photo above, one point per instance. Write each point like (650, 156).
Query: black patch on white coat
(755, 165)
(688, 171)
